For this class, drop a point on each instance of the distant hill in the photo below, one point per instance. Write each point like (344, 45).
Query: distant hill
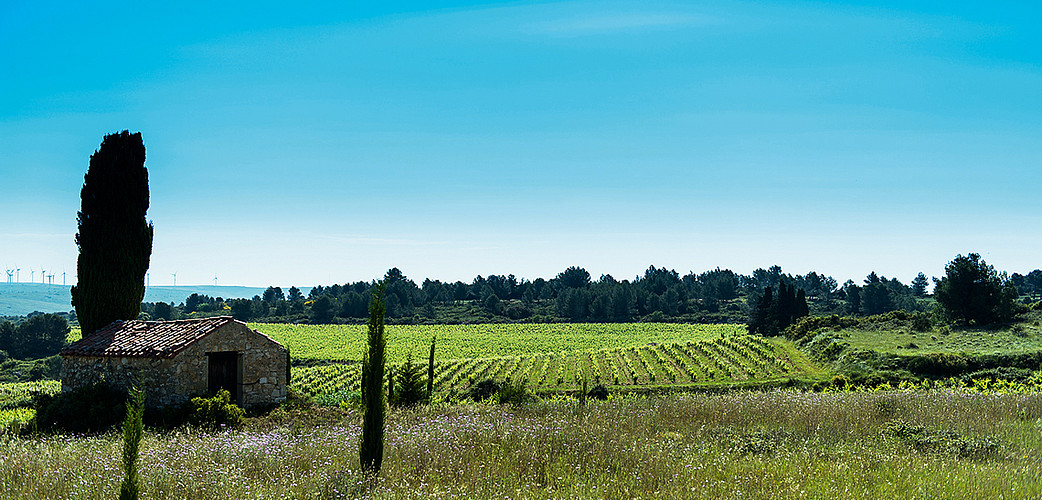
(19, 299)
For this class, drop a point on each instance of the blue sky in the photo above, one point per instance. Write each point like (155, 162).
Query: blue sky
(303, 145)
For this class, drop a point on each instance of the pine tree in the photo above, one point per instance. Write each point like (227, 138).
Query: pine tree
(761, 316)
(919, 285)
(802, 309)
(371, 449)
(114, 239)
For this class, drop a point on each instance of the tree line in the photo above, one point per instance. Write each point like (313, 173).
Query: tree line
(660, 294)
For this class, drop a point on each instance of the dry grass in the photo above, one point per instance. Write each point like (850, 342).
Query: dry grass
(739, 445)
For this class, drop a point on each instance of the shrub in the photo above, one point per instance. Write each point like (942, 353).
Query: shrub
(1010, 373)
(92, 408)
(938, 364)
(921, 322)
(514, 393)
(410, 390)
(599, 391)
(216, 411)
(484, 389)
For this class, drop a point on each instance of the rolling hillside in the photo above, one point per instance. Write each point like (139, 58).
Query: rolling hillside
(19, 299)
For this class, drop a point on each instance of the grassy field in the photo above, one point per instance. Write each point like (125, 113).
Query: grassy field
(948, 340)
(782, 444)
(932, 441)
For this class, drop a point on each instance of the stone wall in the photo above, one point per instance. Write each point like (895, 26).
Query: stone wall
(262, 363)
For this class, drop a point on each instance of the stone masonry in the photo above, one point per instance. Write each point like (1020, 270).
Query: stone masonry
(173, 366)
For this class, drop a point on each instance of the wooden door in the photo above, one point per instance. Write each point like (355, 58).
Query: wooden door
(224, 373)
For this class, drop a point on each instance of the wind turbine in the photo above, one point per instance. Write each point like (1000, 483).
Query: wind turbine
(146, 280)
(215, 279)
(10, 273)
(17, 275)
(174, 274)
(32, 275)
(63, 278)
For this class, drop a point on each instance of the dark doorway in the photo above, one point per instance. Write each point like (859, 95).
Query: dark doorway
(224, 373)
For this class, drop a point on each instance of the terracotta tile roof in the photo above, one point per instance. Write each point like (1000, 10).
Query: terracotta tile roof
(145, 339)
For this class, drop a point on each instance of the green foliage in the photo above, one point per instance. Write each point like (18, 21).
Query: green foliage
(810, 324)
(932, 441)
(748, 359)
(921, 322)
(22, 394)
(14, 370)
(410, 385)
(114, 239)
(215, 412)
(484, 389)
(430, 370)
(348, 342)
(972, 290)
(39, 336)
(133, 428)
(775, 312)
(598, 391)
(514, 393)
(371, 448)
(919, 285)
(322, 311)
(92, 408)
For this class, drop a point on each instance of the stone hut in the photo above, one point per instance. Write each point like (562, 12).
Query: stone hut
(177, 360)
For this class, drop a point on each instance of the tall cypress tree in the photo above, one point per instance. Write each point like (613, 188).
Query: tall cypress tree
(114, 239)
(371, 449)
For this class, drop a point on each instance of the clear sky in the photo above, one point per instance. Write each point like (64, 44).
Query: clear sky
(292, 144)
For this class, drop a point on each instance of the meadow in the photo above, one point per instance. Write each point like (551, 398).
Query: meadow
(939, 439)
(776, 444)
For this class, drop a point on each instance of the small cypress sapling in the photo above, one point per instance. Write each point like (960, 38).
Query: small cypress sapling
(390, 384)
(430, 371)
(133, 429)
(582, 395)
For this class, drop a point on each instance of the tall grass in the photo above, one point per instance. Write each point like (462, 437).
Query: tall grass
(749, 445)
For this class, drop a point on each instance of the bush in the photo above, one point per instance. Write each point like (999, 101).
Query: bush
(599, 391)
(921, 322)
(938, 365)
(1009, 373)
(514, 393)
(484, 389)
(216, 412)
(410, 389)
(92, 408)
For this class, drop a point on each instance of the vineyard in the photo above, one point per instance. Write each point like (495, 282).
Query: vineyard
(16, 401)
(709, 361)
(347, 342)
